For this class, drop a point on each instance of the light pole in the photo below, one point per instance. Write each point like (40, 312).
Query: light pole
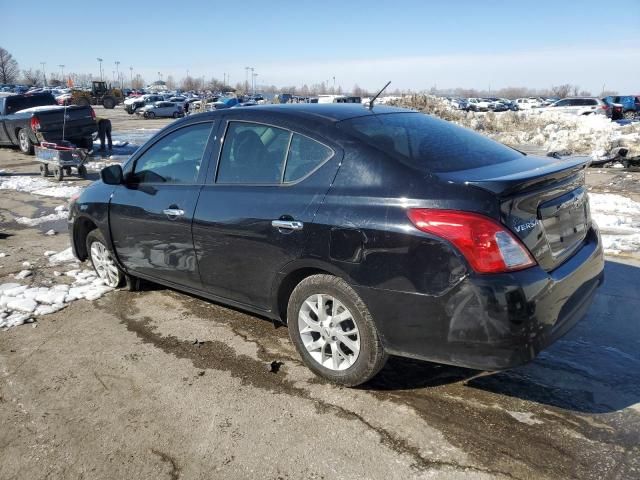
(100, 63)
(118, 72)
(246, 79)
(44, 75)
(253, 83)
(61, 73)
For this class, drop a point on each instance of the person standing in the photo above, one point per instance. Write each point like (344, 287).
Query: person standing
(104, 129)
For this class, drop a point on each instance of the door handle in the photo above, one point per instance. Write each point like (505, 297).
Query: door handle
(287, 224)
(173, 212)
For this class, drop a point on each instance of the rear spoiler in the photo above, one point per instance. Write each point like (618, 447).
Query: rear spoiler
(518, 175)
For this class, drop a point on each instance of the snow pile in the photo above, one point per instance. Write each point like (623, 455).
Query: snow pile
(618, 218)
(21, 303)
(39, 186)
(60, 257)
(61, 214)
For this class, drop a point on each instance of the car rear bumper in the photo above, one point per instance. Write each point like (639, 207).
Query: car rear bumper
(490, 322)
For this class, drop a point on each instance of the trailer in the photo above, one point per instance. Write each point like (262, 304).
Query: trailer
(61, 159)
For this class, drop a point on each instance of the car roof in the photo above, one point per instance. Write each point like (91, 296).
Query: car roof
(329, 112)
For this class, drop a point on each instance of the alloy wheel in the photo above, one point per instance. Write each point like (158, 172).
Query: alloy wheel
(329, 332)
(104, 265)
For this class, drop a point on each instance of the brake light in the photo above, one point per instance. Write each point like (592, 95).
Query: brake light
(35, 123)
(486, 244)
(93, 113)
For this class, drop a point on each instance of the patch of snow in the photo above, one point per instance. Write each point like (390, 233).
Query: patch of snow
(618, 218)
(525, 417)
(64, 256)
(50, 232)
(39, 186)
(22, 274)
(52, 217)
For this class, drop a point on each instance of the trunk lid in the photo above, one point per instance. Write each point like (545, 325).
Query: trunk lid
(543, 201)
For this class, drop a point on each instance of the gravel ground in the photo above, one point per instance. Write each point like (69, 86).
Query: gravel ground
(160, 384)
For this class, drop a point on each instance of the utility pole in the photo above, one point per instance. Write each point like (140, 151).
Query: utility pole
(118, 72)
(253, 77)
(61, 73)
(44, 75)
(253, 87)
(246, 79)
(100, 63)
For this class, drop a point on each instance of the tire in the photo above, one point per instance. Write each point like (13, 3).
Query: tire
(44, 169)
(82, 171)
(629, 115)
(24, 142)
(150, 115)
(58, 174)
(102, 261)
(109, 103)
(355, 367)
(176, 114)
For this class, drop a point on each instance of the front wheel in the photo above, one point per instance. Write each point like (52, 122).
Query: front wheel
(150, 115)
(333, 331)
(102, 260)
(109, 103)
(629, 115)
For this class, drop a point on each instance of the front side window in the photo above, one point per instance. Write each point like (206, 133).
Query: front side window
(174, 159)
(253, 153)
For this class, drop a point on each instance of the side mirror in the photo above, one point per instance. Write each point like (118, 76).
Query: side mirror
(112, 175)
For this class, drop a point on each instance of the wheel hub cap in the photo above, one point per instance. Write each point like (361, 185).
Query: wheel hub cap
(329, 332)
(104, 265)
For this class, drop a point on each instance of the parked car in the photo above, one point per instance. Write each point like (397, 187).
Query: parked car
(131, 104)
(161, 109)
(29, 119)
(528, 103)
(478, 104)
(630, 104)
(368, 231)
(580, 106)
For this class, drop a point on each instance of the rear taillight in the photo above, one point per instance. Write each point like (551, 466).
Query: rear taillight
(93, 113)
(486, 244)
(35, 123)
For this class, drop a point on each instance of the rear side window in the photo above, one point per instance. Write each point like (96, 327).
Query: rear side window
(263, 154)
(428, 143)
(253, 153)
(305, 155)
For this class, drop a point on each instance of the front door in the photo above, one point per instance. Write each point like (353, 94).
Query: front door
(254, 215)
(150, 215)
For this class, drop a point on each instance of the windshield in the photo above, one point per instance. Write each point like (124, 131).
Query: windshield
(428, 143)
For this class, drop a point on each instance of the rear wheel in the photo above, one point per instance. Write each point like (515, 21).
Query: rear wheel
(333, 331)
(150, 115)
(102, 260)
(24, 142)
(176, 114)
(109, 102)
(629, 114)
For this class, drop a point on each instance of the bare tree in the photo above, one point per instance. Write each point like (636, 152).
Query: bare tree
(576, 89)
(608, 93)
(9, 70)
(138, 82)
(32, 77)
(585, 93)
(561, 91)
(171, 83)
(188, 83)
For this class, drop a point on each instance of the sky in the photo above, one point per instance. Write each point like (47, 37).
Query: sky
(483, 44)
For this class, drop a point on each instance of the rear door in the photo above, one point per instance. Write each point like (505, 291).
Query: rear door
(257, 207)
(150, 215)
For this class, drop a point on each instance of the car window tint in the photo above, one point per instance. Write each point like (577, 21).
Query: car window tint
(253, 153)
(428, 143)
(304, 156)
(175, 158)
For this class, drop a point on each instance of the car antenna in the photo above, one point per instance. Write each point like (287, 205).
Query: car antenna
(378, 94)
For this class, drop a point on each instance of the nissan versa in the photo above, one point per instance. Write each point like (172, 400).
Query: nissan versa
(369, 231)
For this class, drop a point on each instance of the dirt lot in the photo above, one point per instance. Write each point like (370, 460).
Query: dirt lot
(159, 384)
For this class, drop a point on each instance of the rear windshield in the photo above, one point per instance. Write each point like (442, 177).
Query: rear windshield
(428, 143)
(18, 102)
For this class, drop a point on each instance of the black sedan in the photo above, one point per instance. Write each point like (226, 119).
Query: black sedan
(370, 232)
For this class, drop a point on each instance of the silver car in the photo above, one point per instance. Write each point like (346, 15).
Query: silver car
(579, 106)
(161, 109)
